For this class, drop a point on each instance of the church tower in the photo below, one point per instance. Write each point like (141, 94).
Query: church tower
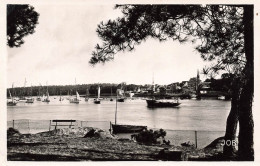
(197, 81)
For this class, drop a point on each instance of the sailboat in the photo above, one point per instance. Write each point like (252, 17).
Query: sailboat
(30, 99)
(61, 99)
(76, 99)
(12, 102)
(121, 128)
(121, 97)
(47, 99)
(97, 100)
(87, 95)
(38, 96)
(111, 95)
(157, 103)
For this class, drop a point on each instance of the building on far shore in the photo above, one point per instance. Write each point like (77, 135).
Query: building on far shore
(204, 87)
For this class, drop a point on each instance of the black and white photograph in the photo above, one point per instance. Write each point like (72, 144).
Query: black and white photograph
(130, 82)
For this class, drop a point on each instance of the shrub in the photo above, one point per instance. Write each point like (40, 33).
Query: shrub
(150, 136)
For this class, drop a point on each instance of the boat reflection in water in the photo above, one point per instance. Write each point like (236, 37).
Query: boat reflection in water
(162, 102)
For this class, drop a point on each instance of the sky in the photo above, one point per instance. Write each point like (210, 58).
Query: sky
(60, 49)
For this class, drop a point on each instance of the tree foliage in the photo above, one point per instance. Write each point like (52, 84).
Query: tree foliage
(21, 21)
(212, 28)
(150, 136)
(222, 34)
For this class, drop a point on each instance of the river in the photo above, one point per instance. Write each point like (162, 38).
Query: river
(202, 115)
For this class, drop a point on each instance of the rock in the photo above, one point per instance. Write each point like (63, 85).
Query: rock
(72, 132)
(216, 144)
(90, 133)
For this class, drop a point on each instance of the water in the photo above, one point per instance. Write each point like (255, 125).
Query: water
(202, 115)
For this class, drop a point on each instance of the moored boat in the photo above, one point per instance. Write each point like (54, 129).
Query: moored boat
(123, 128)
(120, 95)
(221, 97)
(61, 98)
(12, 102)
(76, 99)
(38, 96)
(162, 103)
(29, 100)
(121, 100)
(127, 128)
(47, 99)
(22, 99)
(87, 95)
(111, 99)
(97, 100)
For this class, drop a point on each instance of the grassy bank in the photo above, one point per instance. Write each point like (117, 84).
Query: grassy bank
(73, 145)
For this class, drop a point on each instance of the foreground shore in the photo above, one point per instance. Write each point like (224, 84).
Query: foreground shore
(78, 145)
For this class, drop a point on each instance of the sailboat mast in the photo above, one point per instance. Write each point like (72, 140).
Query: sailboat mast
(12, 88)
(24, 90)
(87, 93)
(153, 83)
(47, 85)
(116, 109)
(11, 96)
(31, 90)
(98, 92)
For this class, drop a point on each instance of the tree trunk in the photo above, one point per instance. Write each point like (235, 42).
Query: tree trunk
(232, 120)
(246, 124)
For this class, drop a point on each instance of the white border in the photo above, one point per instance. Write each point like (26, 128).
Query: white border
(3, 58)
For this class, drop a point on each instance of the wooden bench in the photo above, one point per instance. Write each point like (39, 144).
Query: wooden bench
(61, 121)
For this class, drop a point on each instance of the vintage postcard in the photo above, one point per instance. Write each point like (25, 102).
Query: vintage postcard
(123, 81)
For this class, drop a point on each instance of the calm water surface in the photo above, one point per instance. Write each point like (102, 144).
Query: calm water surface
(208, 115)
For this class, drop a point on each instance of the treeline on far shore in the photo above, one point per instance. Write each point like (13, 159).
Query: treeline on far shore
(217, 87)
(106, 89)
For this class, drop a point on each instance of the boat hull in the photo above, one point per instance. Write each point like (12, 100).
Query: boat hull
(11, 104)
(30, 100)
(221, 98)
(46, 100)
(121, 100)
(155, 103)
(127, 128)
(76, 102)
(97, 101)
